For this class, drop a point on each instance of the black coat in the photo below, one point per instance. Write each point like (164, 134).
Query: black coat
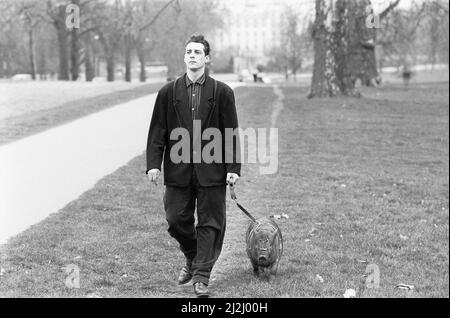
(169, 114)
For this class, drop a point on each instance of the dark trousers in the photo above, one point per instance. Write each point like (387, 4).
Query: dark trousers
(200, 244)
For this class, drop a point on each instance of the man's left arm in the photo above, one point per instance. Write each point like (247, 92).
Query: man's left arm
(230, 120)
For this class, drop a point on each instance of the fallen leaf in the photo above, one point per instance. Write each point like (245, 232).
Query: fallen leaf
(78, 257)
(403, 237)
(350, 293)
(280, 216)
(362, 261)
(405, 286)
(2, 271)
(307, 240)
(312, 232)
(93, 295)
(320, 278)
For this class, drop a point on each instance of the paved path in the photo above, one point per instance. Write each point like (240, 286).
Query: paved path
(40, 174)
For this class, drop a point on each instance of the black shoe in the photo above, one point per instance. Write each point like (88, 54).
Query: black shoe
(201, 290)
(185, 275)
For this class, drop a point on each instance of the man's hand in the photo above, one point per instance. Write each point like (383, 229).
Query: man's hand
(153, 175)
(232, 178)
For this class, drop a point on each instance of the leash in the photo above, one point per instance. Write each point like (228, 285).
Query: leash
(233, 196)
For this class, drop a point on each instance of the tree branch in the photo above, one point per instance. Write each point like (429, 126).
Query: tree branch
(385, 12)
(145, 26)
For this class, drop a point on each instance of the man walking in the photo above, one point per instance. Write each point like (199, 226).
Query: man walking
(194, 100)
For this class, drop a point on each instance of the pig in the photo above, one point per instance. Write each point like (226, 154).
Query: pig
(264, 246)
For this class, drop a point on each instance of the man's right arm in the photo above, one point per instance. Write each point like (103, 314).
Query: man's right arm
(156, 140)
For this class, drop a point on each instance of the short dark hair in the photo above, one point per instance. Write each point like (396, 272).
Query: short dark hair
(199, 38)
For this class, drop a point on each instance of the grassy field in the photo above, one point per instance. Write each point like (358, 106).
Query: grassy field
(35, 111)
(21, 97)
(364, 181)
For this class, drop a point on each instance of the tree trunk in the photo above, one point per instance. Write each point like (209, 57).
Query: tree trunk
(361, 38)
(32, 57)
(110, 68)
(347, 54)
(364, 34)
(2, 67)
(127, 59)
(141, 57)
(324, 83)
(434, 36)
(62, 37)
(88, 59)
(344, 47)
(75, 56)
(75, 51)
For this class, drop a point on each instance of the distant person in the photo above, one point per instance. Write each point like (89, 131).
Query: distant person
(194, 96)
(255, 76)
(406, 76)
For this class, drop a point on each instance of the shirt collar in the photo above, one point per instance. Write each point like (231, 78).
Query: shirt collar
(200, 81)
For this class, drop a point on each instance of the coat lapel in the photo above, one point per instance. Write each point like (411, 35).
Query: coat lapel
(182, 104)
(207, 101)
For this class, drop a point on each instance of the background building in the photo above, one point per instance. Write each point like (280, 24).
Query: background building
(252, 28)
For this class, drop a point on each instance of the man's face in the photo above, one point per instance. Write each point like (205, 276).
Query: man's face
(194, 56)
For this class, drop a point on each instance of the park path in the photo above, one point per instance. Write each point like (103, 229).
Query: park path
(221, 270)
(42, 173)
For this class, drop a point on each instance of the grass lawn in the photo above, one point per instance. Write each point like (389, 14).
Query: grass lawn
(364, 181)
(20, 97)
(37, 115)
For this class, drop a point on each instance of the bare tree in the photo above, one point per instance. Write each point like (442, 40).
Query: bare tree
(139, 18)
(142, 41)
(189, 21)
(294, 43)
(398, 35)
(294, 48)
(56, 15)
(29, 12)
(8, 45)
(110, 33)
(436, 27)
(344, 46)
